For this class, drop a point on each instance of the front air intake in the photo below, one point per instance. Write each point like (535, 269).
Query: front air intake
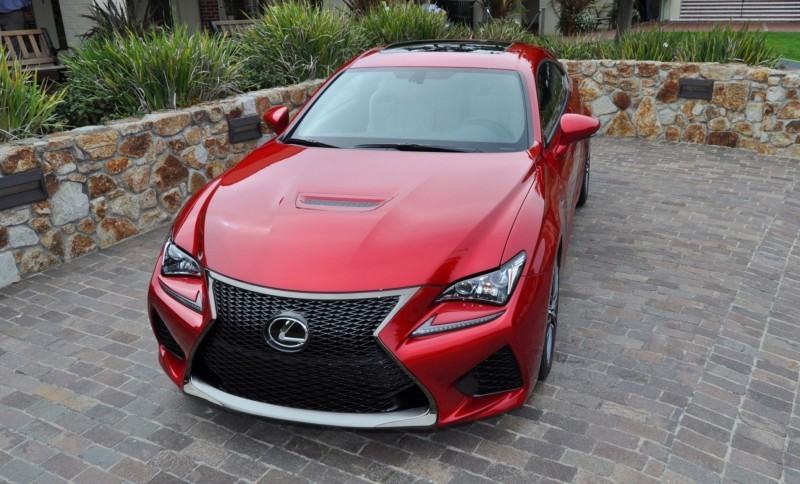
(164, 337)
(496, 374)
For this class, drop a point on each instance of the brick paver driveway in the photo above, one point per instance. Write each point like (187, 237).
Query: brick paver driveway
(677, 356)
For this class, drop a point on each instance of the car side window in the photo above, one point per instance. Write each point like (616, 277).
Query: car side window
(552, 90)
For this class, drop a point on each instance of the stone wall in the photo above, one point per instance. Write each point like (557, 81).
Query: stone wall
(753, 108)
(109, 183)
(112, 182)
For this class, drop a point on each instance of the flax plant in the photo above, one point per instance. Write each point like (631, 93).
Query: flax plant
(395, 22)
(123, 75)
(720, 44)
(118, 17)
(506, 30)
(26, 108)
(293, 41)
(723, 44)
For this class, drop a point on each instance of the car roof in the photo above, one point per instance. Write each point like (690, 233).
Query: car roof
(454, 53)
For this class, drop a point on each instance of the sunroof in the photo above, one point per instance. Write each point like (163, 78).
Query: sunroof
(450, 46)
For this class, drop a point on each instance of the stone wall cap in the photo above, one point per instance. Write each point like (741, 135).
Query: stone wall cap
(90, 129)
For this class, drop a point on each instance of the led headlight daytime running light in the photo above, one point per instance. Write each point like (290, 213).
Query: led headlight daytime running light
(428, 327)
(176, 262)
(493, 288)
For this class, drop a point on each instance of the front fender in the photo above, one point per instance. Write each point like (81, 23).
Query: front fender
(537, 228)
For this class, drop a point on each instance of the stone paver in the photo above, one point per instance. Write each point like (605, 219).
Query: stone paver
(677, 356)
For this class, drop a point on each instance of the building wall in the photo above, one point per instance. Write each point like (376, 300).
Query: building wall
(209, 12)
(187, 12)
(74, 24)
(674, 10)
(43, 12)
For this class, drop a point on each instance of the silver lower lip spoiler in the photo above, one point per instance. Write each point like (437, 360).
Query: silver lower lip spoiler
(415, 418)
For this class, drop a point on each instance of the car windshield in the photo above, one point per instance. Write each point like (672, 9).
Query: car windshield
(420, 109)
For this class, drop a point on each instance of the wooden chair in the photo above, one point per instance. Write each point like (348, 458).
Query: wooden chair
(230, 27)
(34, 51)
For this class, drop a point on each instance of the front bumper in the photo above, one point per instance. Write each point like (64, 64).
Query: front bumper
(421, 417)
(436, 363)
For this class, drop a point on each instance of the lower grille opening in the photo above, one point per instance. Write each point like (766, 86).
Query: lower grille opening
(164, 337)
(496, 374)
(342, 368)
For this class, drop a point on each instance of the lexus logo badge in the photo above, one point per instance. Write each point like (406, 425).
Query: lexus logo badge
(287, 332)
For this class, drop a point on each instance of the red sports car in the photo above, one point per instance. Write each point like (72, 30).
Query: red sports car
(391, 259)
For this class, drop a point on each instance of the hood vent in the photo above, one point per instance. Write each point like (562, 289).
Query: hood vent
(344, 203)
(340, 203)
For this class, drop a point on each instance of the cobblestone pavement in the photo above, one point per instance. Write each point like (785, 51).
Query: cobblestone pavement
(677, 356)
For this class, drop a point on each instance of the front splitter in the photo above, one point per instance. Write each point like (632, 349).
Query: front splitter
(413, 418)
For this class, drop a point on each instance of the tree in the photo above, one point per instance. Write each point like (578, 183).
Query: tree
(625, 15)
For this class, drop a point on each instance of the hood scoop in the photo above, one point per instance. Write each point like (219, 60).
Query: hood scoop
(339, 203)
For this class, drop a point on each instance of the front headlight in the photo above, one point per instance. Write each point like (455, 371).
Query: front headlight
(493, 288)
(176, 262)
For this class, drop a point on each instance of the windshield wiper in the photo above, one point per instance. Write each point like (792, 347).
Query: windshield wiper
(418, 147)
(307, 142)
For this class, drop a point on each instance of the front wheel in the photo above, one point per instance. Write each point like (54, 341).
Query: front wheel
(549, 347)
(585, 185)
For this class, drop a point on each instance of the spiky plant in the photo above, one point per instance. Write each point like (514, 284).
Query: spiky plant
(26, 108)
(404, 21)
(294, 41)
(113, 17)
(122, 75)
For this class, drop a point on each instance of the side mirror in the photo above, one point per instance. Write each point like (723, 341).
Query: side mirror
(277, 119)
(575, 127)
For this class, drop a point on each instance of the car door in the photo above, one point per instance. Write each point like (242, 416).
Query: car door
(553, 91)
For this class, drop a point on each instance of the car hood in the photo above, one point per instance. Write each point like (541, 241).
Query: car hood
(335, 220)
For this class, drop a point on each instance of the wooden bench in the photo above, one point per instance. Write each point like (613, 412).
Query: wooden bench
(609, 21)
(33, 50)
(230, 27)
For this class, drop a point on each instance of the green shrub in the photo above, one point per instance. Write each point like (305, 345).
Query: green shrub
(293, 41)
(505, 30)
(118, 76)
(391, 23)
(26, 109)
(584, 22)
(720, 44)
(358, 8)
(655, 45)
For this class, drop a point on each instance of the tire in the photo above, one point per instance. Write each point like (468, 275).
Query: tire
(585, 184)
(549, 346)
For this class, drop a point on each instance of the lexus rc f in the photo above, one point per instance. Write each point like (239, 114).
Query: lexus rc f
(391, 258)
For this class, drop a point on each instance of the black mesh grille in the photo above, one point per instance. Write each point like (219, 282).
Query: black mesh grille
(498, 373)
(341, 368)
(164, 337)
